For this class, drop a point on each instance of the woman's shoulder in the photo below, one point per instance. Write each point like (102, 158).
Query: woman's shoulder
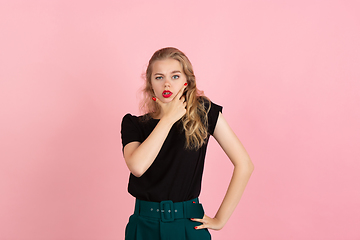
(130, 117)
(212, 111)
(136, 119)
(205, 102)
(208, 104)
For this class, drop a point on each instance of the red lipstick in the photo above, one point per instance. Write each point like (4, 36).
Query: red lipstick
(166, 94)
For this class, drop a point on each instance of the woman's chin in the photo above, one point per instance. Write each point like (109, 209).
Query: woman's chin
(167, 100)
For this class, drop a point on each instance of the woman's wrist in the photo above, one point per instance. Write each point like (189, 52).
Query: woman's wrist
(167, 121)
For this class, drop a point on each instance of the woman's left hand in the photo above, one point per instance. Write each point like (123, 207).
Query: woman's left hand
(208, 222)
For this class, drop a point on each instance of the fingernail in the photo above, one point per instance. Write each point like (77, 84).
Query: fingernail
(195, 227)
(191, 218)
(185, 84)
(194, 202)
(154, 99)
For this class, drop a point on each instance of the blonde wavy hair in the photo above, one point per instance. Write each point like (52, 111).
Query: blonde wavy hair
(195, 121)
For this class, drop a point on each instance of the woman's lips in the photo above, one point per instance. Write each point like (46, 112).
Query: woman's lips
(166, 94)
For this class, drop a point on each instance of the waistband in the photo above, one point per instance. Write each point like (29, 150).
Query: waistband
(168, 211)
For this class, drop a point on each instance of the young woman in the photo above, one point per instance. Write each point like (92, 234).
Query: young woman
(165, 151)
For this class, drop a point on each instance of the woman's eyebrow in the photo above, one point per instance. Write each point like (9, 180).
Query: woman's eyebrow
(175, 71)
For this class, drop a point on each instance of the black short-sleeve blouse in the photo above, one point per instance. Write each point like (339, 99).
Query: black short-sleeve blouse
(176, 173)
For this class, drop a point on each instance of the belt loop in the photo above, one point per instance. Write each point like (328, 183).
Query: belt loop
(184, 209)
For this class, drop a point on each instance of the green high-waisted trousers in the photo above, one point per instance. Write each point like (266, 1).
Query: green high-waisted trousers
(166, 221)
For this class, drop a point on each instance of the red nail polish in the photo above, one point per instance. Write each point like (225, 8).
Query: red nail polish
(154, 99)
(185, 84)
(194, 202)
(195, 227)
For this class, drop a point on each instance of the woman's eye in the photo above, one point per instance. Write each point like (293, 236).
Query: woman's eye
(158, 78)
(175, 76)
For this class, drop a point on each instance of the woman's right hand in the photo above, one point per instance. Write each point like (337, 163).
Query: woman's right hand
(175, 109)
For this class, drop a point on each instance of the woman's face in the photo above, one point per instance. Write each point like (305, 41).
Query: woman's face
(167, 78)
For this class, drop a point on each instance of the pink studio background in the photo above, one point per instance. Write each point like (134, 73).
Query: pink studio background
(287, 74)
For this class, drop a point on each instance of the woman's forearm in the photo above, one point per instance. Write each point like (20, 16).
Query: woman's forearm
(234, 192)
(140, 157)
